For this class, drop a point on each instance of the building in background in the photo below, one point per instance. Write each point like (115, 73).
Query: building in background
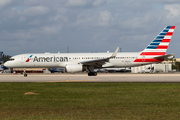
(152, 68)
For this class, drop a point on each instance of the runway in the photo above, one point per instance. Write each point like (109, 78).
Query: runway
(101, 77)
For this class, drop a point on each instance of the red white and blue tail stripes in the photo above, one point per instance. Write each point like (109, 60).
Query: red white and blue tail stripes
(157, 47)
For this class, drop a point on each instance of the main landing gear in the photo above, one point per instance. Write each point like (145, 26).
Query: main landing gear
(92, 74)
(91, 71)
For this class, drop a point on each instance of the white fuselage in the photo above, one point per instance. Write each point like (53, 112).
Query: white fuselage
(50, 60)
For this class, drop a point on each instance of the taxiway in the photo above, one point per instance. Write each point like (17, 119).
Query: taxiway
(84, 78)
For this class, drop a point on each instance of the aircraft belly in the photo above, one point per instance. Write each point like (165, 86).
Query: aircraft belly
(140, 63)
(122, 63)
(39, 64)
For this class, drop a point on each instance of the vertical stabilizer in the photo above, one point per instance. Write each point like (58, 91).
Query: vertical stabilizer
(158, 46)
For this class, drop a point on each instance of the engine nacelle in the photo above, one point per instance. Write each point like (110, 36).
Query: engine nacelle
(73, 68)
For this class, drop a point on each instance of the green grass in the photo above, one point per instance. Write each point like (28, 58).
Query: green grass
(55, 101)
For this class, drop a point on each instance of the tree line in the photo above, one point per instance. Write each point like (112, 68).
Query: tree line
(175, 64)
(5, 57)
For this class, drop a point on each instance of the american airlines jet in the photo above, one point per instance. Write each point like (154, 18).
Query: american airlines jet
(78, 62)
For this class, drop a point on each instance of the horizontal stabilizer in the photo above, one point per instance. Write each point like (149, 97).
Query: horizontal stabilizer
(165, 57)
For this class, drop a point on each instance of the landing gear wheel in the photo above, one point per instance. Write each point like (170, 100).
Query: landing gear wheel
(92, 74)
(25, 75)
(95, 74)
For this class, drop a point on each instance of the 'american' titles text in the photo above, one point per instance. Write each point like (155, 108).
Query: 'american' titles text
(50, 59)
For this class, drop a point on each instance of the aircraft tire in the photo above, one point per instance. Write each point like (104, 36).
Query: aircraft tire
(95, 74)
(89, 74)
(25, 75)
(92, 74)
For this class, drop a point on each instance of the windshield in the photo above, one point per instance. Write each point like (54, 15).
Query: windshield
(11, 59)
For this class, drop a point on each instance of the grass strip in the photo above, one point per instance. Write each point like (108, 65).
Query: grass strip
(54, 101)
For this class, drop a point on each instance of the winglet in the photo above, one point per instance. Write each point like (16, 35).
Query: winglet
(115, 53)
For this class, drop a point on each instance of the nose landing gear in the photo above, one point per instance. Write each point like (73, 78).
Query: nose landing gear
(25, 74)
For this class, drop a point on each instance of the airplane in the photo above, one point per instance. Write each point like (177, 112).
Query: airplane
(78, 62)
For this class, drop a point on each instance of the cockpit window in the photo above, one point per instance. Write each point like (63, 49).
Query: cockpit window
(11, 59)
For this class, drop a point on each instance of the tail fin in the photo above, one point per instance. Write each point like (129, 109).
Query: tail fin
(160, 44)
(157, 47)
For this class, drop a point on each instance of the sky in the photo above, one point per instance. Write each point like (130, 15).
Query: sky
(38, 26)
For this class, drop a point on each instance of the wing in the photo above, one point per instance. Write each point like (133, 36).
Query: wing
(100, 62)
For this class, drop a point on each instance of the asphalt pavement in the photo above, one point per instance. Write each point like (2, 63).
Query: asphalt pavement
(101, 77)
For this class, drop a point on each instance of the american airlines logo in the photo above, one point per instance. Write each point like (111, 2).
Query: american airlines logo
(29, 58)
(50, 59)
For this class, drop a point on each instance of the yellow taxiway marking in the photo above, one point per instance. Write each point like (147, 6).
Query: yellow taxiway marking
(74, 80)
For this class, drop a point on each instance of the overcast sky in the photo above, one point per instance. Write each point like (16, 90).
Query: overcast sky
(37, 26)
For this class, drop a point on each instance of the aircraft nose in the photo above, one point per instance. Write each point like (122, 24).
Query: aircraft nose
(7, 64)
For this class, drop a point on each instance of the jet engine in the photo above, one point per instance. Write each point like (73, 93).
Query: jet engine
(73, 68)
